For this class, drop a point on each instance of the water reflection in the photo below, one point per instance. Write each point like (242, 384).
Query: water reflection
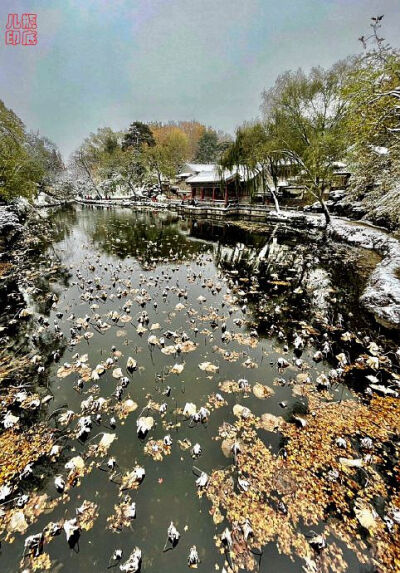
(290, 276)
(146, 236)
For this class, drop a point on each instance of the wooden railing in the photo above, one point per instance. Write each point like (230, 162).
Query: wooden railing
(218, 204)
(231, 205)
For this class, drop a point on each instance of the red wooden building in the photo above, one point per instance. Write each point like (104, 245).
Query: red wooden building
(205, 182)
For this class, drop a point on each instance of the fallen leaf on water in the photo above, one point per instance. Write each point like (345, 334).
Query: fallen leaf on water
(177, 368)
(17, 522)
(208, 367)
(365, 514)
(145, 423)
(350, 463)
(241, 411)
(184, 444)
(168, 350)
(106, 441)
(87, 514)
(271, 423)
(249, 364)
(41, 562)
(157, 449)
(217, 516)
(261, 391)
(122, 409)
(131, 363)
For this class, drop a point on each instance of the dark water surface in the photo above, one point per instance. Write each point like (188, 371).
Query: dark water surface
(251, 282)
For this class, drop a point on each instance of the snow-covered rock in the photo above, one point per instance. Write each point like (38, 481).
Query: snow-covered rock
(382, 294)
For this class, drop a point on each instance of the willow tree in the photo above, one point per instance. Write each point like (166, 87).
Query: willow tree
(254, 151)
(373, 125)
(306, 114)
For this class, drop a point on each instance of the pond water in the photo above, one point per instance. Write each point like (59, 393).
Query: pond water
(202, 281)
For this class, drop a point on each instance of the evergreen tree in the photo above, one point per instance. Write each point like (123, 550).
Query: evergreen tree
(138, 134)
(208, 147)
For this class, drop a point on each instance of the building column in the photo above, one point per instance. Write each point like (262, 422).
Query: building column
(193, 192)
(226, 195)
(213, 194)
(202, 193)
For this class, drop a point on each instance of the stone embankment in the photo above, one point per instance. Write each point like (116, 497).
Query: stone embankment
(382, 293)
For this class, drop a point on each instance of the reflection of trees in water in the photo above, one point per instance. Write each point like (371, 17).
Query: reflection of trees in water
(276, 252)
(314, 270)
(59, 281)
(38, 274)
(278, 270)
(147, 236)
(23, 338)
(225, 233)
(272, 274)
(63, 220)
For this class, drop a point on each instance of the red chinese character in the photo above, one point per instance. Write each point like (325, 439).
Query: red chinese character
(29, 21)
(13, 22)
(29, 38)
(13, 37)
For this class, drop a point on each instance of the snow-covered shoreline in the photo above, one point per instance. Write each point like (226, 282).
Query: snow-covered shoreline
(381, 296)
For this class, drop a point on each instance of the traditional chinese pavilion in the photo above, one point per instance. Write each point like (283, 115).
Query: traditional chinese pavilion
(206, 182)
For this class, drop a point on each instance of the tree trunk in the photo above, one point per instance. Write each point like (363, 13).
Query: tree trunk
(325, 211)
(273, 193)
(275, 200)
(89, 174)
(263, 185)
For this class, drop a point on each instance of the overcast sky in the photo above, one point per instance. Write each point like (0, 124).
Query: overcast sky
(109, 62)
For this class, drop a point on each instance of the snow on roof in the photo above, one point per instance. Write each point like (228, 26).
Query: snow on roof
(204, 177)
(214, 175)
(211, 176)
(198, 167)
